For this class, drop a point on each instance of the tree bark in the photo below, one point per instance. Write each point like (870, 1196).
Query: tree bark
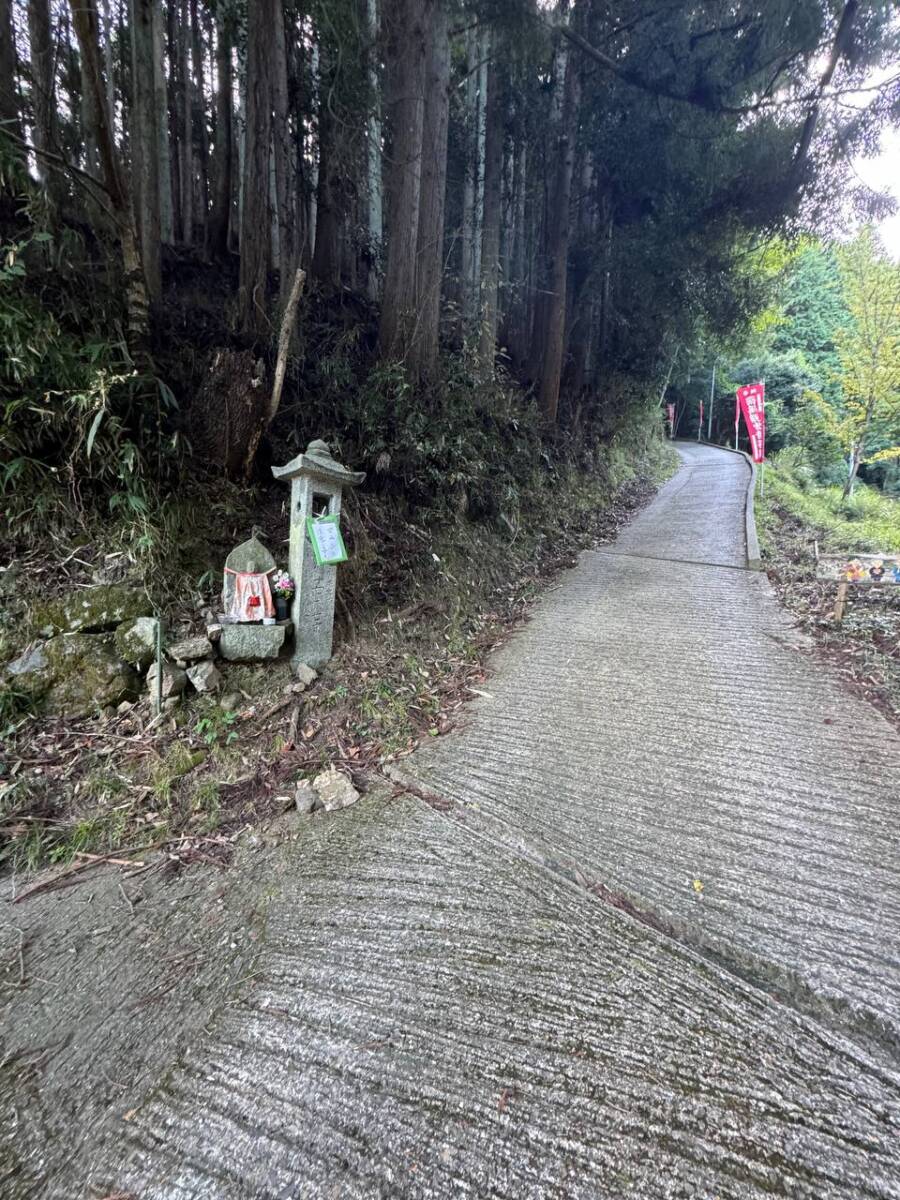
(255, 216)
(144, 142)
(175, 128)
(407, 40)
(517, 310)
(326, 264)
(43, 98)
(374, 214)
(9, 100)
(430, 239)
(582, 308)
(161, 104)
(86, 25)
(285, 183)
(224, 136)
(185, 122)
(490, 229)
(467, 254)
(558, 246)
(198, 126)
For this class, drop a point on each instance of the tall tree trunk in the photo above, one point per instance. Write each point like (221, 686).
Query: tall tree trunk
(515, 315)
(313, 192)
(480, 136)
(490, 229)
(606, 291)
(326, 263)
(582, 310)
(255, 218)
(198, 126)
(408, 32)
(175, 126)
(282, 152)
(224, 135)
(43, 99)
(92, 158)
(558, 246)
(185, 121)
(374, 213)
(9, 100)
(106, 42)
(86, 24)
(467, 255)
(430, 241)
(144, 142)
(543, 263)
(161, 104)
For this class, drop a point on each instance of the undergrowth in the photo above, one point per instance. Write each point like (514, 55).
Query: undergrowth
(868, 521)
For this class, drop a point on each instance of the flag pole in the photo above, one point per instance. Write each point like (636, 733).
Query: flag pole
(712, 397)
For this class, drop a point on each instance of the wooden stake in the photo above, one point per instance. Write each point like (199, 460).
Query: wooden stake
(841, 602)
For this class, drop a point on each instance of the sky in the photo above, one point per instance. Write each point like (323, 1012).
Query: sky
(883, 174)
(882, 171)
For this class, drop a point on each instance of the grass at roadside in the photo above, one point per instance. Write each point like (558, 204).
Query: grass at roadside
(795, 518)
(866, 522)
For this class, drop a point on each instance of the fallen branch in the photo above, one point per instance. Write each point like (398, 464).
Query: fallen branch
(61, 879)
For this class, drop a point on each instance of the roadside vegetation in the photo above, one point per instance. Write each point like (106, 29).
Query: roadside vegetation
(798, 518)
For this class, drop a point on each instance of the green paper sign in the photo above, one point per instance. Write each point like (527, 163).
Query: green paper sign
(327, 543)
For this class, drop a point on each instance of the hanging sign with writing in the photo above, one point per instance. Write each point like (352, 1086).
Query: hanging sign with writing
(327, 543)
(752, 403)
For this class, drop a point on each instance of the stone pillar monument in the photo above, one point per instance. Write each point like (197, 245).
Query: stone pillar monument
(317, 482)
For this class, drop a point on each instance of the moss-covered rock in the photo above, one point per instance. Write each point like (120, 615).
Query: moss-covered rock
(74, 675)
(136, 641)
(93, 610)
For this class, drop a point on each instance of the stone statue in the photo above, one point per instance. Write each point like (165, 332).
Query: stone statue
(246, 594)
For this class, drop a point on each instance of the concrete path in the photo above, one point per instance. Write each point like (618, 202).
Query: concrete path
(661, 722)
(524, 995)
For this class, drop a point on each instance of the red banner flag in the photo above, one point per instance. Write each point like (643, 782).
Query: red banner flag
(752, 403)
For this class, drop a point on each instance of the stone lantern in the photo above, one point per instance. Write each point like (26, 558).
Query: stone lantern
(317, 483)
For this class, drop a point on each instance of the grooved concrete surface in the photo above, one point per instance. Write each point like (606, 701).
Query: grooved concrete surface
(437, 1006)
(660, 723)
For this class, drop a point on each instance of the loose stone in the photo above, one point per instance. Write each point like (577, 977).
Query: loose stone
(305, 675)
(174, 680)
(305, 798)
(136, 641)
(191, 649)
(204, 677)
(334, 790)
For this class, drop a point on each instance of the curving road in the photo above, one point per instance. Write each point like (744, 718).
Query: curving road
(648, 947)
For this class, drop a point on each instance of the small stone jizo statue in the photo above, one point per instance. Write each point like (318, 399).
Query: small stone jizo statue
(246, 592)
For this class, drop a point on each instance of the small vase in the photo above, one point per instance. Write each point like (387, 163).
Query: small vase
(281, 608)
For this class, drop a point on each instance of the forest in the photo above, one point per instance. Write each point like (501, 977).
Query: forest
(470, 214)
(475, 245)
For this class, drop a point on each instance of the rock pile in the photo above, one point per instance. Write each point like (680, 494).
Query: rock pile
(95, 646)
(97, 649)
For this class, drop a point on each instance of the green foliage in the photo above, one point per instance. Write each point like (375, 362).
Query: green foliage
(813, 311)
(79, 425)
(869, 351)
(868, 521)
(217, 725)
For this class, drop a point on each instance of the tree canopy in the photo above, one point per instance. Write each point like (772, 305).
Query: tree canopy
(567, 199)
